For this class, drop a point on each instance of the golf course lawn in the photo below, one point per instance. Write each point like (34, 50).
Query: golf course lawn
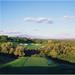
(28, 61)
(33, 46)
(30, 65)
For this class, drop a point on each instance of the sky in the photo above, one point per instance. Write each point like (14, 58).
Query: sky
(46, 19)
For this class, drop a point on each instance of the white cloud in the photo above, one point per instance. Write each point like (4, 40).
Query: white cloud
(68, 17)
(28, 19)
(38, 20)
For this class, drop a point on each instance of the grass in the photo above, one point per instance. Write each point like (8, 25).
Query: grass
(28, 61)
(4, 58)
(16, 63)
(30, 65)
(33, 46)
(70, 58)
(36, 61)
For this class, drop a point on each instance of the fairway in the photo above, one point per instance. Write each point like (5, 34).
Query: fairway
(28, 61)
(33, 46)
(30, 65)
(36, 61)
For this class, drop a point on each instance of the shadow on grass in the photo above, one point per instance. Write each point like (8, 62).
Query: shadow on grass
(60, 61)
(36, 70)
(5, 58)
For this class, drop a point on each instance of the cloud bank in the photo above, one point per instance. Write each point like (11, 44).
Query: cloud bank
(38, 20)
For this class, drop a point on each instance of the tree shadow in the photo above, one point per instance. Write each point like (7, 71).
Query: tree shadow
(60, 61)
(31, 52)
(36, 70)
(5, 58)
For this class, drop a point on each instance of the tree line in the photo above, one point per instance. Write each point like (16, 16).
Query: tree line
(61, 49)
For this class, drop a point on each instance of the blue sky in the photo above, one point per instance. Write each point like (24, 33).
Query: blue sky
(50, 19)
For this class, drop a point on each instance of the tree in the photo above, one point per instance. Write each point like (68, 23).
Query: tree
(3, 38)
(19, 51)
(53, 53)
(11, 51)
(3, 48)
(42, 54)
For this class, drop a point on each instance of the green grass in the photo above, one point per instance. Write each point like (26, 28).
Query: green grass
(16, 63)
(70, 58)
(36, 61)
(28, 61)
(5, 59)
(33, 46)
(33, 65)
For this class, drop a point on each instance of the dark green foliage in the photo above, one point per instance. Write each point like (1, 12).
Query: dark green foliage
(3, 38)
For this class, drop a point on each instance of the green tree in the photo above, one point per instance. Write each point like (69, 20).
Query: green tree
(19, 51)
(11, 51)
(53, 53)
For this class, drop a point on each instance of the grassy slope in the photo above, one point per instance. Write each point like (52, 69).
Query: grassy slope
(33, 65)
(28, 61)
(26, 65)
(70, 58)
(36, 61)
